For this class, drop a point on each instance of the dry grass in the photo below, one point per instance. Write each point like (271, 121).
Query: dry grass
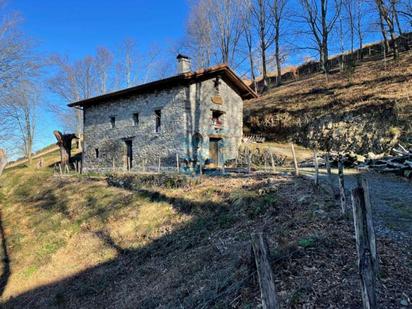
(384, 91)
(76, 242)
(372, 82)
(283, 150)
(54, 223)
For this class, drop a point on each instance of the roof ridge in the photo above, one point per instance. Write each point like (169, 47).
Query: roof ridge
(175, 79)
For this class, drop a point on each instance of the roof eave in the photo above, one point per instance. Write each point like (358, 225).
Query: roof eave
(243, 90)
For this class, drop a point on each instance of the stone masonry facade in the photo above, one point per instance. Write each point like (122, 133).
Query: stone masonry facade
(120, 134)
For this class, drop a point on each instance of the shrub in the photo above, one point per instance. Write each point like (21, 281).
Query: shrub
(169, 181)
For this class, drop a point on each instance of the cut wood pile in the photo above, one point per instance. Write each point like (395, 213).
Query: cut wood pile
(253, 139)
(399, 162)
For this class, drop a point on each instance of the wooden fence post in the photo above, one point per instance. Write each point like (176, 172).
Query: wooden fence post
(272, 161)
(249, 169)
(341, 186)
(315, 158)
(365, 243)
(264, 271)
(328, 169)
(295, 162)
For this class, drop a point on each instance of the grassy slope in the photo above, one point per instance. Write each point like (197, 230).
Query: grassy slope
(77, 242)
(373, 84)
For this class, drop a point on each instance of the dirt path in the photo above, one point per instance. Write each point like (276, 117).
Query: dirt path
(391, 199)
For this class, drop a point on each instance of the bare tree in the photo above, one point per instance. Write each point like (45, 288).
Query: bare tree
(278, 10)
(406, 10)
(395, 11)
(386, 16)
(359, 12)
(73, 81)
(104, 64)
(320, 17)
(215, 27)
(247, 25)
(199, 35)
(127, 64)
(261, 10)
(16, 59)
(349, 6)
(156, 65)
(20, 107)
(226, 26)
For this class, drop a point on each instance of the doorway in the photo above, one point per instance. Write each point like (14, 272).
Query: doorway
(214, 151)
(129, 154)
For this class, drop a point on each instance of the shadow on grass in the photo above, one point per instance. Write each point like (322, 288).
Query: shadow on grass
(5, 275)
(125, 281)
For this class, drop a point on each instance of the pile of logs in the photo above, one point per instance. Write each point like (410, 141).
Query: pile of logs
(399, 163)
(253, 139)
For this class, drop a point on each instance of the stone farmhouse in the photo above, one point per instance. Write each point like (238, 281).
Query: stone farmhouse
(193, 117)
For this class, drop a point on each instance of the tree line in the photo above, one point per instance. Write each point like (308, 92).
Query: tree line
(265, 33)
(31, 84)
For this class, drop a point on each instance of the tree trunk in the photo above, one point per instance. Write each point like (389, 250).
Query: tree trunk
(360, 37)
(403, 40)
(324, 53)
(264, 71)
(382, 26)
(251, 62)
(3, 160)
(277, 56)
(64, 141)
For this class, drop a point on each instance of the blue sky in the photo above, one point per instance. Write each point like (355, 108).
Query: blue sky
(76, 27)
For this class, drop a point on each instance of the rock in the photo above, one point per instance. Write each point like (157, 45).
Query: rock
(319, 212)
(304, 199)
(404, 302)
(373, 156)
(360, 158)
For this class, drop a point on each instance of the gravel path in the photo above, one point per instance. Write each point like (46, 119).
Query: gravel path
(391, 199)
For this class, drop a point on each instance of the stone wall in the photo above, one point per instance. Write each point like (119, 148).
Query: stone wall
(185, 111)
(376, 128)
(201, 105)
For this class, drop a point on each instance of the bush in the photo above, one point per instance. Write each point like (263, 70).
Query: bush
(169, 181)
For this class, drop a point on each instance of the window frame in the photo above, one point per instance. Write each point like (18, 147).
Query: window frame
(136, 119)
(113, 122)
(158, 120)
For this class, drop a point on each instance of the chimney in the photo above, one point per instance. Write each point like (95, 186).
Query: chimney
(183, 64)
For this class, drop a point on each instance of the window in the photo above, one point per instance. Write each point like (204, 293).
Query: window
(135, 119)
(97, 153)
(217, 119)
(113, 121)
(158, 115)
